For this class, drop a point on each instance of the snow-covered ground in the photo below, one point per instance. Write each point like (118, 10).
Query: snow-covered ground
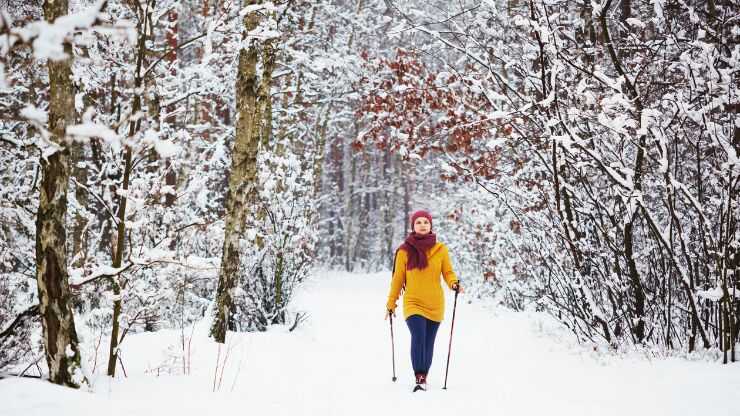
(339, 363)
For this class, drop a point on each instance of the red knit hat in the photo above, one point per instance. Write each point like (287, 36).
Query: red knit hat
(421, 213)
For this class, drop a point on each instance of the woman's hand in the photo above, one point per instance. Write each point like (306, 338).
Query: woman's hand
(388, 313)
(458, 288)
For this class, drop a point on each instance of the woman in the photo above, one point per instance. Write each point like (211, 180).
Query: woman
(419, 262)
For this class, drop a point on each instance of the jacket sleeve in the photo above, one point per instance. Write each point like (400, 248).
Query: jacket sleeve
(399, 278)
(449, 276)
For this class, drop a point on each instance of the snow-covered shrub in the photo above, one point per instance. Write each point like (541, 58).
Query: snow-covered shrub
(278, 255)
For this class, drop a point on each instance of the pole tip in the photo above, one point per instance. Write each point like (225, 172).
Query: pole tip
(394, 379)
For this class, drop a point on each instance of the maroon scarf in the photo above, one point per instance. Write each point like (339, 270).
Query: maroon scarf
(416, 247)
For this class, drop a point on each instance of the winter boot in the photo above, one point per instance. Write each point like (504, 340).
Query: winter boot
(421, 382)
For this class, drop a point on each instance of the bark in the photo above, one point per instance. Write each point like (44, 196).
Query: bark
(626, 9)
(406, 227)
(79, 172)
(349, 210)
(318, 160)
(263, 133)
(55, 301)
(242, 187)
(388, 207)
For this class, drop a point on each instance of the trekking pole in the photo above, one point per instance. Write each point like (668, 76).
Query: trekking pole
(393, 348)
(449, 349)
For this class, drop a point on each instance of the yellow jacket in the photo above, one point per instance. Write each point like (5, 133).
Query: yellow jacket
(423, 295)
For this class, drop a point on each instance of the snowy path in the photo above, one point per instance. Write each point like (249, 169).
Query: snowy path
(339, 364)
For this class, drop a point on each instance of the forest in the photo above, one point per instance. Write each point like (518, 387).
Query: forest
(166, 162)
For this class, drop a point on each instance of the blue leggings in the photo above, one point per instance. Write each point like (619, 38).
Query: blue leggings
(423, 333)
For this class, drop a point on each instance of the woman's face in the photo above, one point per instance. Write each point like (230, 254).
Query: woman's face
(422, 226)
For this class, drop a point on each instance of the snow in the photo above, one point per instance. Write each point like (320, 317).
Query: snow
(636, 22)
(548, 100)
(714, 294)
(339, 362)
(166, 149)
(76, 277)
(89, 129)
(268, 6)
(48, 38)
(261, 33)
(34, 114)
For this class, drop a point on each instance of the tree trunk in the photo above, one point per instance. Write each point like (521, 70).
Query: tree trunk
(348, 173)
(117, 260)
(263, 135)
(388, 183)
(79, 172)
(243, 177)
(638, 307)
(406, 202)
(171, 37)
(122, 202)
(626, 9)
(318, 160)
(59, 335)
